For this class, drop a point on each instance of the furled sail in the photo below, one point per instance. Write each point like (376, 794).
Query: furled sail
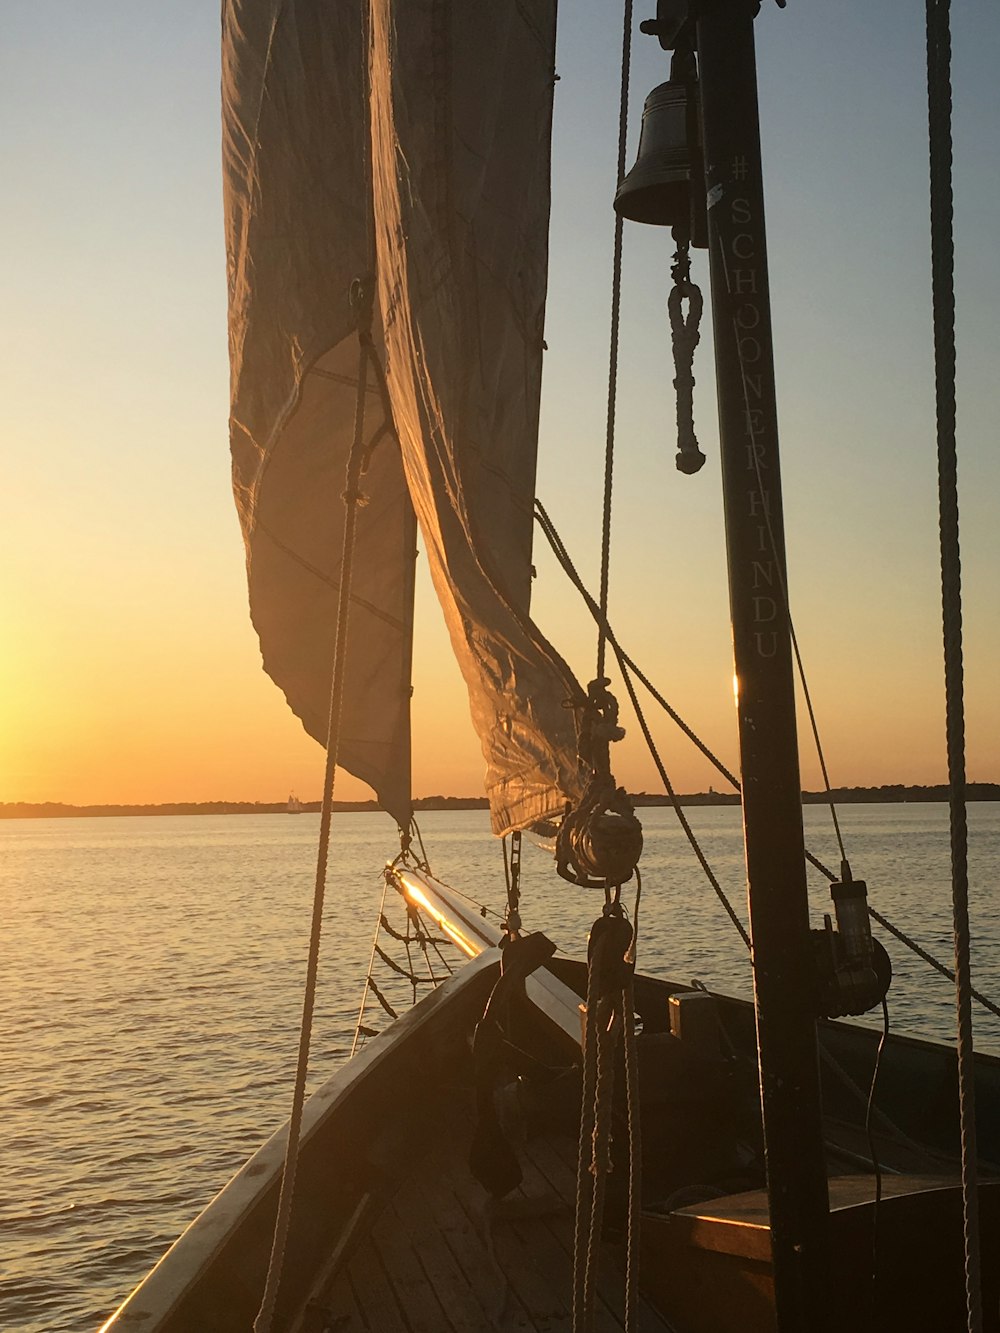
(297, 235)
(461, 107)
(450, 158)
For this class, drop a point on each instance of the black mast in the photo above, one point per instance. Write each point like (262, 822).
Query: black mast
(772, 810)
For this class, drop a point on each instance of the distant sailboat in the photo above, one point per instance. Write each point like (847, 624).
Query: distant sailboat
(294, 806)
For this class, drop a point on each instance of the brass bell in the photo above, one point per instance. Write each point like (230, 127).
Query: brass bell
(666, 186)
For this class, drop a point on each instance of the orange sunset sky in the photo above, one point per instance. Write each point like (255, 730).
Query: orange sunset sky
(129, 671)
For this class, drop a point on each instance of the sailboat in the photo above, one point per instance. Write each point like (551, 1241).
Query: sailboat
(540, 1142)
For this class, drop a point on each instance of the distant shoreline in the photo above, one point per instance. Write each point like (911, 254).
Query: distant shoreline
(975, 791)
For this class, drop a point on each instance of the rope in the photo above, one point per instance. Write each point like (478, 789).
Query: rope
(561, 554)
(609, 1009)
(943, 294)
(352, 499)
(411, 917)
(400, 971)
(432, 941)
(358, 1031)
(382, 1001)
(929, 958)
(395, 934)
(684, 338)
(616, 289)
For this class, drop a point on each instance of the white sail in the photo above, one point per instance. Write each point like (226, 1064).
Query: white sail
(459, 192)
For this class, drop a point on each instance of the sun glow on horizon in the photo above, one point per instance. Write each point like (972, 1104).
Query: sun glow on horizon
(129, 671)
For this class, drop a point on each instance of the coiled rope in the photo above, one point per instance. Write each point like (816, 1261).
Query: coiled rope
(352, 500)
(943, 294)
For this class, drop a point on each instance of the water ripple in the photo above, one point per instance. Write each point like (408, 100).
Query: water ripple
(152, 969)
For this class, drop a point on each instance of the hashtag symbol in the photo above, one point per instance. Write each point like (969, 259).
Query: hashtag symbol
(739, 168)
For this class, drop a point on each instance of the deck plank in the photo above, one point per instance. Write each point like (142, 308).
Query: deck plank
(340, 1313)
(414, 1295)
(443, 1258)
(462, 1304)
(374, 1294)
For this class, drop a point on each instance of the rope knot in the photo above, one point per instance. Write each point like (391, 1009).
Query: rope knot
(684, 336)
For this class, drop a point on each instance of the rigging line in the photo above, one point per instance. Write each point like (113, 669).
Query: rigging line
(560, 551)
(783, 587)
(381, 999)
(909, 942)
(565, 561)
(682, 818)
(409, 964)
(437, 949)
(393, 966)
(427, 960)
(352, 499)
(371, 960)
(390, 929)
(876, 1164)
(481, 908)
(424, 863)
(563, 556)
(914, 947)
(939, 106)
(616, 292)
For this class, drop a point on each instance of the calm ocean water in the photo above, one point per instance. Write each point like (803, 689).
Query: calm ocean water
(151, 972)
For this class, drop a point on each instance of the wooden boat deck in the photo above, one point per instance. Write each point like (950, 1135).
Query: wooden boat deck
(443, 1256)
